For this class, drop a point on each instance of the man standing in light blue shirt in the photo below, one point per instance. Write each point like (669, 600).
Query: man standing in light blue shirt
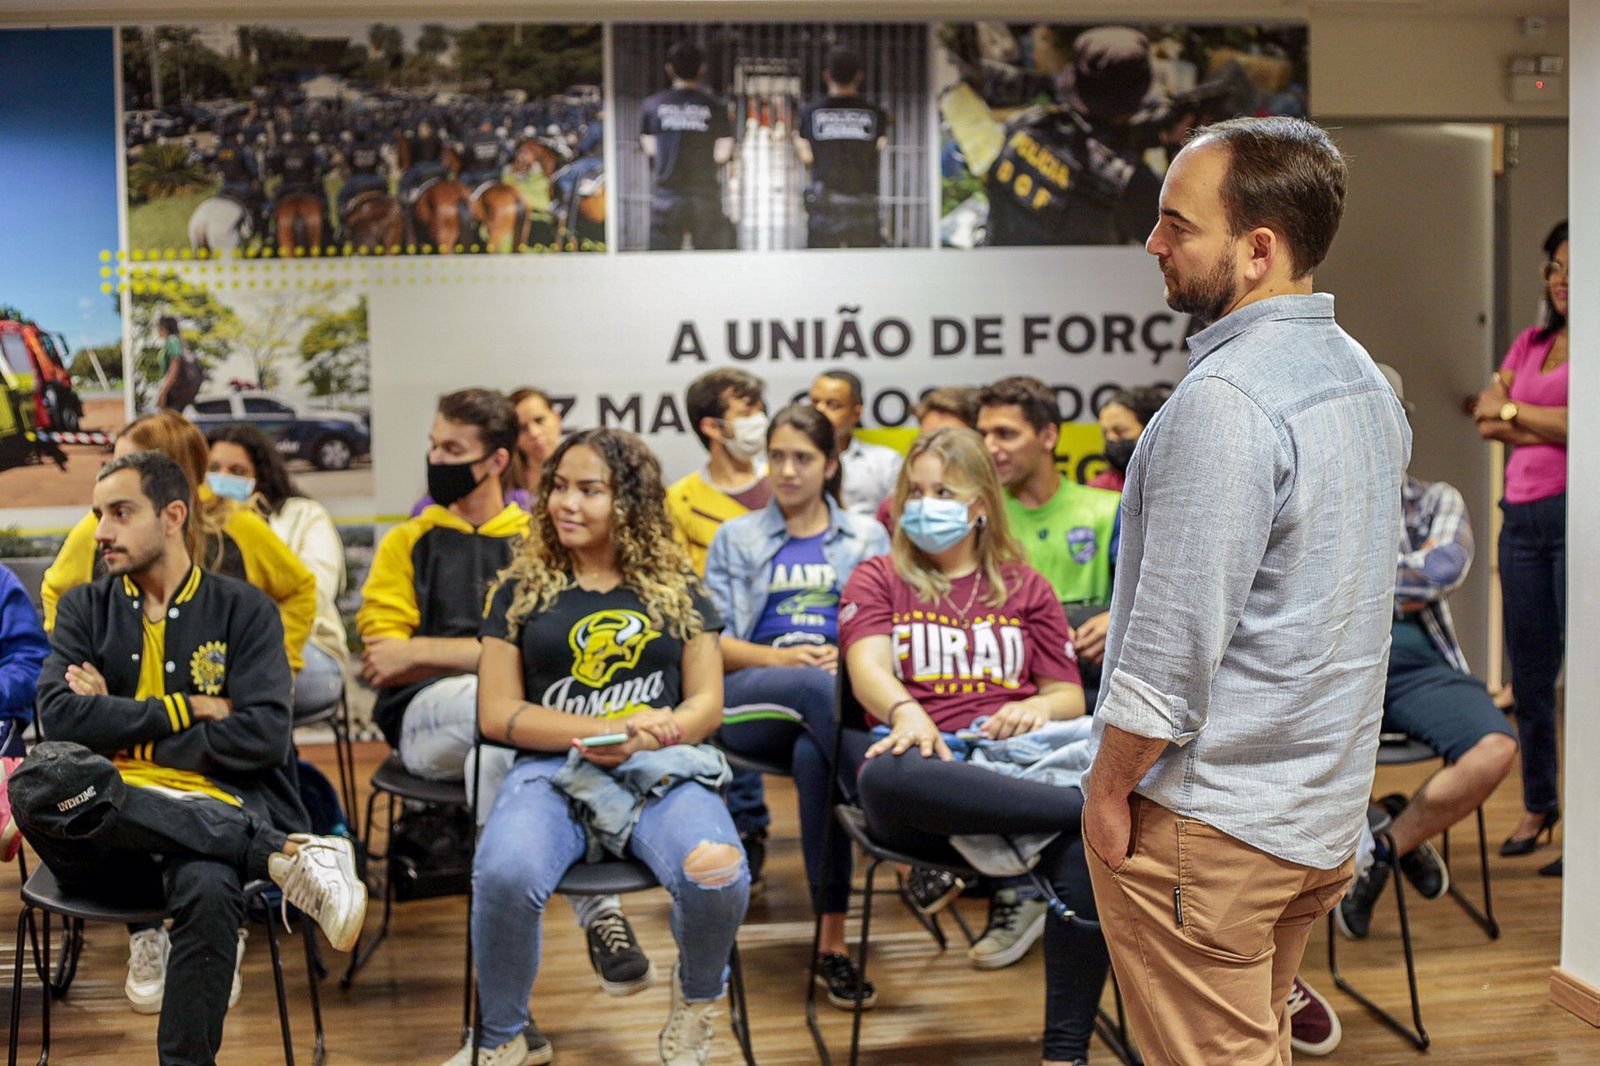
(1249, 637)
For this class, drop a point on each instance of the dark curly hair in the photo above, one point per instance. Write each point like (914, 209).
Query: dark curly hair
(273, 483)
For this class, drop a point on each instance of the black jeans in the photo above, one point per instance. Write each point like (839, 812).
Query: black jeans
(915, 805)
(1533, 587)
(195, 855)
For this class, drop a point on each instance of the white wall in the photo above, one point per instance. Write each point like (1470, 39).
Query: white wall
(1580, 932)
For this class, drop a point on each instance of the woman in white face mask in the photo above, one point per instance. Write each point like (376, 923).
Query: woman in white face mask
(953, 643)
(244, 467)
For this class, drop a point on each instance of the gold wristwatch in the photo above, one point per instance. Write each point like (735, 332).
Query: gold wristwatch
(1508, 411)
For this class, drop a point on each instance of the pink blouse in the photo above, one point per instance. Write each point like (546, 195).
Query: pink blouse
(1535, 471)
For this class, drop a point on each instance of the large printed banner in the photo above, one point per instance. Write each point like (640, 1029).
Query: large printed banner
(617, 340)
(306, 213)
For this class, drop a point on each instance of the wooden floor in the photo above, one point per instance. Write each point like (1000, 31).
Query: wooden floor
(1483, 1002)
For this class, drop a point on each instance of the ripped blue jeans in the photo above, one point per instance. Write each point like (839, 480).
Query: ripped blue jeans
(530, 842)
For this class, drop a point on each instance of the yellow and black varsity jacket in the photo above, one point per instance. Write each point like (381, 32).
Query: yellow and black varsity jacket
(222, 637)
(250, 551)
(430, 578)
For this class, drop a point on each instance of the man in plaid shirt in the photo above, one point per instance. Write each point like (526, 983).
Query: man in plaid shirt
(1431, 697)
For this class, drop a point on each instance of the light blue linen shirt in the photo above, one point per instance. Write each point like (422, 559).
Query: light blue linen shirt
(1255, 585)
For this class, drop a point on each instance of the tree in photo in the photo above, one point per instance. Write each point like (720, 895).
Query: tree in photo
(336, 354)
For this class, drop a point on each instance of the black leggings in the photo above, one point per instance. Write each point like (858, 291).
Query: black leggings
(915, 805)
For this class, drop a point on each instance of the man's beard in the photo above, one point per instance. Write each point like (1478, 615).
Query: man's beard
(1205, 298)
(132, 561)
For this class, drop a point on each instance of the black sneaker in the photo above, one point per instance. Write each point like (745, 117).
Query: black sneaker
(930, 891)
(755, 853)
(837, 973)
(1353, 915)
(1423, 865)
(614, 952)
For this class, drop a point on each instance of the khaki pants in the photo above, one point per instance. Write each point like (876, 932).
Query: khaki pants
(1206, 934)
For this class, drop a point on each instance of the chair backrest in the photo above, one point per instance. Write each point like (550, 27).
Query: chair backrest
(848, 711)
(30, 572)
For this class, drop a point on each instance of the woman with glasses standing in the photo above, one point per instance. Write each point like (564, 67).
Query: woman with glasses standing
(1525, 406)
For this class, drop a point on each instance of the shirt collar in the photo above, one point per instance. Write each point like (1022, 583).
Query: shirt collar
(1272, 309)
(774, 526)
(186, 591)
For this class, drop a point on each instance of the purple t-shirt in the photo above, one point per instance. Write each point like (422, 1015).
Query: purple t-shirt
(802, 597)
(1535, 471)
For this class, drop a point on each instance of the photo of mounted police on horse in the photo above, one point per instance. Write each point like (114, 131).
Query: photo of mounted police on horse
(391, 139)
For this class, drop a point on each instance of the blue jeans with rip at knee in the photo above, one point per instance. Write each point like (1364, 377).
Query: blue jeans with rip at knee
(530, 842)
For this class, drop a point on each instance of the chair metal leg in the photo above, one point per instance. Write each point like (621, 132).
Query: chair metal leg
(1416, 1034)
(344, 754)
(24, 927)
(861, 962)
(811, 997)
(277, 981)
(739, 1006)
(44, 1050)
(930, 922)
(1485, 917)
(315, 971)
(363, 952)
(71, 951)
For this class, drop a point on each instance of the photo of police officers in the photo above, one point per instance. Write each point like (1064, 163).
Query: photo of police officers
(355, 138)
(772, 136)
(1054, 134)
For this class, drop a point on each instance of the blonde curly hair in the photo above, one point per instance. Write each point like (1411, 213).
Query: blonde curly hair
(652, 561)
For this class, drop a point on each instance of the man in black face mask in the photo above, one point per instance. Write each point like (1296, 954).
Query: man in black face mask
(423, 600)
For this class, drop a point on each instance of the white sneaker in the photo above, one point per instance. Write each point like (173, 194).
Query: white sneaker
(147, 969)
(320, 879)
(238, 971)
(528, 1048)
(1014, 925)
(686, 1038)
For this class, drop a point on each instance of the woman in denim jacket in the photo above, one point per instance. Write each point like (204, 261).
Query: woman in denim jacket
(775, 576)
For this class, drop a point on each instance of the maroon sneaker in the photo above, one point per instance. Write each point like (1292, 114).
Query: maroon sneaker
(1313, 1027)
(10, 835)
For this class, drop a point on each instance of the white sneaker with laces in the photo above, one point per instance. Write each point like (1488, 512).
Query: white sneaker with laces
(1014, 926)
(686, 1038)
(528, 1048)
(320, 879)
(147, 969)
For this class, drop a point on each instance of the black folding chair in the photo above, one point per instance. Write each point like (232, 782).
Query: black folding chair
(397, 784)
(608, 877)
(1397, 749)
(853, 820)
(337, 715)
(43, 893)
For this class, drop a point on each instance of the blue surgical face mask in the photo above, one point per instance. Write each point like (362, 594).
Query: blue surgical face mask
(231, 486)
(935, 525)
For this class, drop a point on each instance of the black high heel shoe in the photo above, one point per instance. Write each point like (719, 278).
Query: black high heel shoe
(1526, 845)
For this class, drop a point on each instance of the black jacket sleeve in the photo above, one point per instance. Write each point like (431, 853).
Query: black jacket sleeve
(256, 734)
(103, 724)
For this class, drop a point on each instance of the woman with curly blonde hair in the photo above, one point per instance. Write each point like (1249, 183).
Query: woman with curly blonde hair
(600, 664)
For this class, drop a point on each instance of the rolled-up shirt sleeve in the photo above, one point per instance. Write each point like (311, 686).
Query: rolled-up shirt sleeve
(1206, 500)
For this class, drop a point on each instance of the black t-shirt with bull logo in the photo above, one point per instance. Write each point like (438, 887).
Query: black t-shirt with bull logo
(596, 653)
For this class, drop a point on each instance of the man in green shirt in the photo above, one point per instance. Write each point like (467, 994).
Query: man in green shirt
(1068, 530)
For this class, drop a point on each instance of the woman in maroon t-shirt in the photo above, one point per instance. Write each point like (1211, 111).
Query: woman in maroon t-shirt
(951, 627)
